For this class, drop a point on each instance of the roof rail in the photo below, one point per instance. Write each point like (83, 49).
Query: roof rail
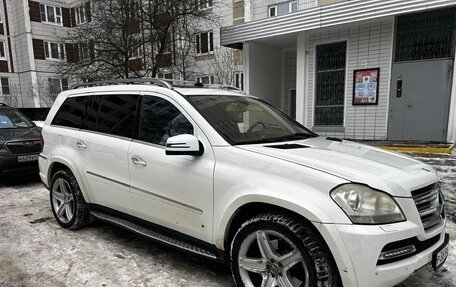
(3, 105)
(158, 82)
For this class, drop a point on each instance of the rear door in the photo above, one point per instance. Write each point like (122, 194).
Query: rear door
(103, 145)
(175, 191)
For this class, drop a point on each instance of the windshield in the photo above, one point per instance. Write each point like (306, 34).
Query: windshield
(243, 120)
(11, 119)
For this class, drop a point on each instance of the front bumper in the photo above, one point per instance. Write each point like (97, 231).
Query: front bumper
(356, 250)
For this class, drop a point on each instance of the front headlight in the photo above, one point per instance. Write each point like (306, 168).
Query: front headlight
(367, 206)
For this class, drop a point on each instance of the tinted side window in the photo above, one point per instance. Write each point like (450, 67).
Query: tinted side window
(90, 122)
(160, 120)
(71, 112)
(112, 114)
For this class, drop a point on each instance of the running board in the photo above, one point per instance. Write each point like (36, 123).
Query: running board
(154, 235)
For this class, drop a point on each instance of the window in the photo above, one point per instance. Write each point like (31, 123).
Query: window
(136, 43)
(165, 75)
(205, 42)
(203, 4)
(5, 86)
(51, 14)
(80, 14)
(330, 84)
(112, 114)
(283, 8)
(2, 51)
(54, 51)
(57, 85)
(160, 120)
(84, 52)
(207, 80)
(239, 80)
(71, 112)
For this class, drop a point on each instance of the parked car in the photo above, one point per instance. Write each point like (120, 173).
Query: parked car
(228, 177)
(19, 142)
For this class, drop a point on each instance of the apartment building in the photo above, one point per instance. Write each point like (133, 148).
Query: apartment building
(369, 70)
(30, 46)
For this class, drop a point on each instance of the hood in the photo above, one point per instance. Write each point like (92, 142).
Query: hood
(390, 172)
(20, 134)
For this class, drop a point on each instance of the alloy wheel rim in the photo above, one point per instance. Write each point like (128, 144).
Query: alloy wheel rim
(63, 200)
(269, 259)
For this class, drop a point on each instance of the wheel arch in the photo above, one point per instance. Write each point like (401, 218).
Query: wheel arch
(59, 164)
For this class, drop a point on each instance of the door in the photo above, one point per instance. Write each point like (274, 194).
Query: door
(103, 145)
(421, 75)
(175, 191)
(419, 100)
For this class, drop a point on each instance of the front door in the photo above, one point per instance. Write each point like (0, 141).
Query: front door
(174, 191)
(421, 75)
(419, 100)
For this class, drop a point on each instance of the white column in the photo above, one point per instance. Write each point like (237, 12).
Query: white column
(301, 68)
(246, 62)
(31, 56)
(451, 131)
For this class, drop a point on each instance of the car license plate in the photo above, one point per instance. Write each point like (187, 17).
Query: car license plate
(440, 255)
(25, 158)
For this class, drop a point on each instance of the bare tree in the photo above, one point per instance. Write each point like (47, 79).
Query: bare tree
(224, 65)
(125, 38)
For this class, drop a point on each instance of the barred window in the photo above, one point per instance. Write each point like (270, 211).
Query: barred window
(330, 84)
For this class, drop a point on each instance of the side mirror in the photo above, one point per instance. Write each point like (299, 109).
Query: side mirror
(184, 145)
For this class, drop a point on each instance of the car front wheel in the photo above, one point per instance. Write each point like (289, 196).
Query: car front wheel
(276, 250)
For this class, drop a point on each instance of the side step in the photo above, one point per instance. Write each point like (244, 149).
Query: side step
(153, 235)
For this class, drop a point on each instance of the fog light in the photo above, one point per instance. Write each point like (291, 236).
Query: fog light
(397, 252)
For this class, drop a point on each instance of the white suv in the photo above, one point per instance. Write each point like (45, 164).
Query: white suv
(228, 177)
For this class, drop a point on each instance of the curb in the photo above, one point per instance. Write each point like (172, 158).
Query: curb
(420, 149)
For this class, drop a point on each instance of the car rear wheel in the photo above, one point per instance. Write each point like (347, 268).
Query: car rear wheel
(67, 202)
(276, 250)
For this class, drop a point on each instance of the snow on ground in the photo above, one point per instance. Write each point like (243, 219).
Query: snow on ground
(35, 251)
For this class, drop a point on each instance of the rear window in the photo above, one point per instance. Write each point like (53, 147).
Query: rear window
(71, 113)
(112, 114)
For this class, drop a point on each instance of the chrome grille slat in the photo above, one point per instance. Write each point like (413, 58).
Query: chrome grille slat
(429, 204)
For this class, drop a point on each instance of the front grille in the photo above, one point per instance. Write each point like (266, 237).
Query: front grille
(24, 147)
(430, 205)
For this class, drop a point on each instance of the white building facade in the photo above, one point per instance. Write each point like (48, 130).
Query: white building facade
(30, 32)
(367, 70)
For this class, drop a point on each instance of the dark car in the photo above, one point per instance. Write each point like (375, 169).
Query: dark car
(20, 142)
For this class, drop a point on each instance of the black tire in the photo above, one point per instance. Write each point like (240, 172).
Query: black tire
(321, 270)
(81, 215)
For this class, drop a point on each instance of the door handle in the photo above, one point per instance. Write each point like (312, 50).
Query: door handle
(138, 161)
(81, 145)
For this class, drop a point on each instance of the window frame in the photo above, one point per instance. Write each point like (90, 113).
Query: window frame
(210, 43)
(275, 7)
(3, 55)
(58, 17)
(5, 87)
(61, 81)
(48, 51)
(211, 79)
(139, 114)
(239, 80)
(205, 4)
(78, 18)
